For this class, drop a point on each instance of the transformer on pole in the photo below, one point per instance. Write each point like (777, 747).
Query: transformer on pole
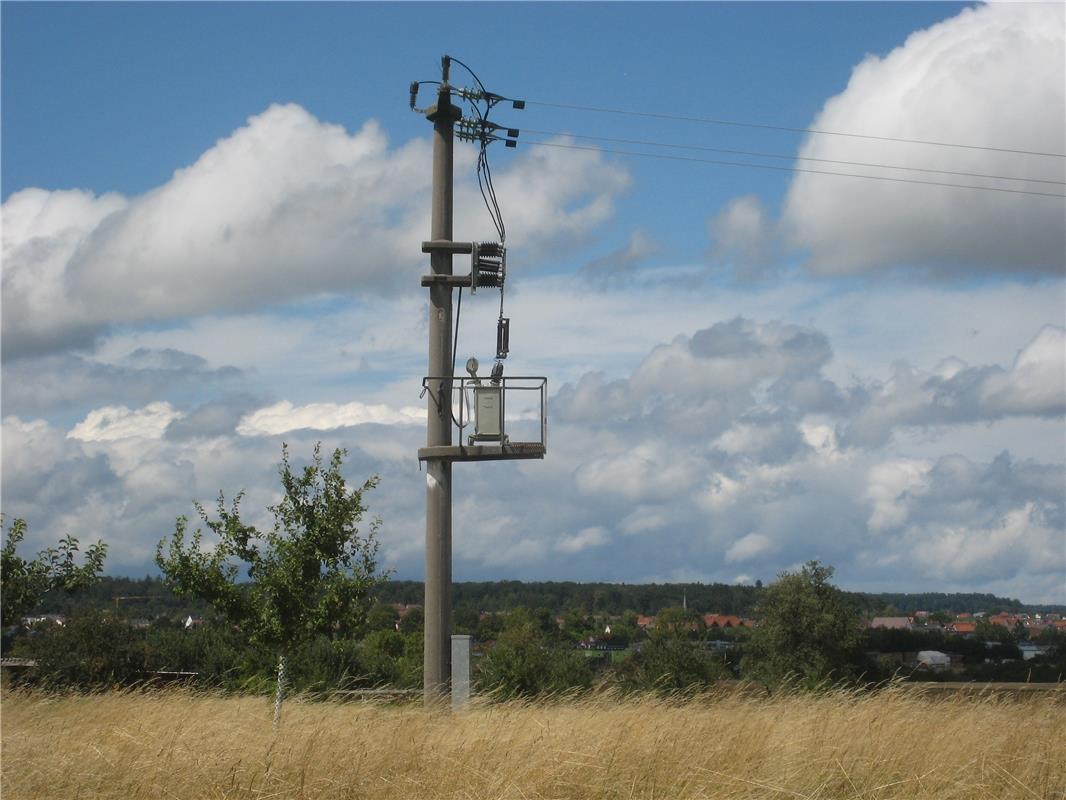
(455, 403)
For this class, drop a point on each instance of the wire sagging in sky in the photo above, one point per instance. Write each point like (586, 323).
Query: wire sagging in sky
(764, 126)
(789, 169)
(757, 154)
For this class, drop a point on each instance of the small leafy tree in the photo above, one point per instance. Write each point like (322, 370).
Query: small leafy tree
(526, 661)
(679, 622)
(668, 663)
(672, 658)
(414, 621)
(23, 583)
(806, 631)
(991, 632)
(311, 575)
(382, 617)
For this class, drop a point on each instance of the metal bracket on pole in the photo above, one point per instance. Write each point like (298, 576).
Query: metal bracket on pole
(445, 246)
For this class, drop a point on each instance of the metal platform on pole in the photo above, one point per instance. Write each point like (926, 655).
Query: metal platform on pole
(482, 452)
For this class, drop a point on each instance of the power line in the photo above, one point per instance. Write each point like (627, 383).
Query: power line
(651, 143)
(790, 169)
(764, 126)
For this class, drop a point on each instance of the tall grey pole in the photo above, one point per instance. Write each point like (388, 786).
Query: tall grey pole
(438, 602)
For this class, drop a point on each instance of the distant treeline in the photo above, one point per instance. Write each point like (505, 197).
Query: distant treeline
(651, 598)
(146, 597)
(149, 597)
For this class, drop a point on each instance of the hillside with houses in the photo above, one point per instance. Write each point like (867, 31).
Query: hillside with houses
(604, 627)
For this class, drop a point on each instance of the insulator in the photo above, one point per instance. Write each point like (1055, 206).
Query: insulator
(488, 265)
(468, 130)
(503, 337)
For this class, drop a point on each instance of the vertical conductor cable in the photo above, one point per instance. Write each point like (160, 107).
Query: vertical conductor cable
(455, 343)
(455, 347)
(497, 217)
(484, 173)
(484, 179)
(495, 204)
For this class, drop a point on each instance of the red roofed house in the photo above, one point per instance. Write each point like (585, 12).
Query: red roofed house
(726, 621)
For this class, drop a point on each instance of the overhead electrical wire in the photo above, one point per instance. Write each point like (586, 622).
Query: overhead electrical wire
(764, 126)
(789, 169)
(758, 154)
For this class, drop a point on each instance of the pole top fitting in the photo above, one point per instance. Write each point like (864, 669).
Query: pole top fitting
(444, 109)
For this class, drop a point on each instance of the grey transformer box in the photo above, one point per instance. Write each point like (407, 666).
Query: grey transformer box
(487, 405)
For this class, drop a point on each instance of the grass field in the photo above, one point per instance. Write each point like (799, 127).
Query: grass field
(892, 744)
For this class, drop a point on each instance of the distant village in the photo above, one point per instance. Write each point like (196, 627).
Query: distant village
(1022, 629)
(923, 645)
(720, 631)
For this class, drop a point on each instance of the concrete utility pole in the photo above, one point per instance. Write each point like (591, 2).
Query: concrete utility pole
(490, 440)
(438, 601)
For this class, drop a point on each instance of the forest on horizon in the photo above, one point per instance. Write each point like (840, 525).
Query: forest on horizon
(150, 597)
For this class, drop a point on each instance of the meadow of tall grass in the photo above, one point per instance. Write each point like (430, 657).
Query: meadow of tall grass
(839, 744)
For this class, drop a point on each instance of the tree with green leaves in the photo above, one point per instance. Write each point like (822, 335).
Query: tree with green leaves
(988, 631)
(807, 631)
(678, 622)
(528, 661)
(311, 575)
(23, 583)
(673, 657)
(669, 663)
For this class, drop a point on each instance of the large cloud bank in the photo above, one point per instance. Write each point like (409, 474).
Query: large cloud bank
(725, 454)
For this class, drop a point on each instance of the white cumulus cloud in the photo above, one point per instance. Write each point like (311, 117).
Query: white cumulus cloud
(744, 237)
(284, 416)
(747, 547)
(1036, 382)
(890, 484)
(582, 540)
(993, 76)
(951, 393)
(112, 423)
(285, 207)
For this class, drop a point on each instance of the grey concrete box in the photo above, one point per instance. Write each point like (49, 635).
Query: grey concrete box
(461, 645)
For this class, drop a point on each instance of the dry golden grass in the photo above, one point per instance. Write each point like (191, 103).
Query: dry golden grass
(892, 744)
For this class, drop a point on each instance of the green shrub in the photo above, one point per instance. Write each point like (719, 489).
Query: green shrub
(668, 663)
(526, 662)
(91, 651)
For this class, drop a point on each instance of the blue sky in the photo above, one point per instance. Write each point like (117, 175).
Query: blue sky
(74, 72)
(211, 223)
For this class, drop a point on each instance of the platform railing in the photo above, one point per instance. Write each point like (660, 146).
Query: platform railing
(513, 391)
